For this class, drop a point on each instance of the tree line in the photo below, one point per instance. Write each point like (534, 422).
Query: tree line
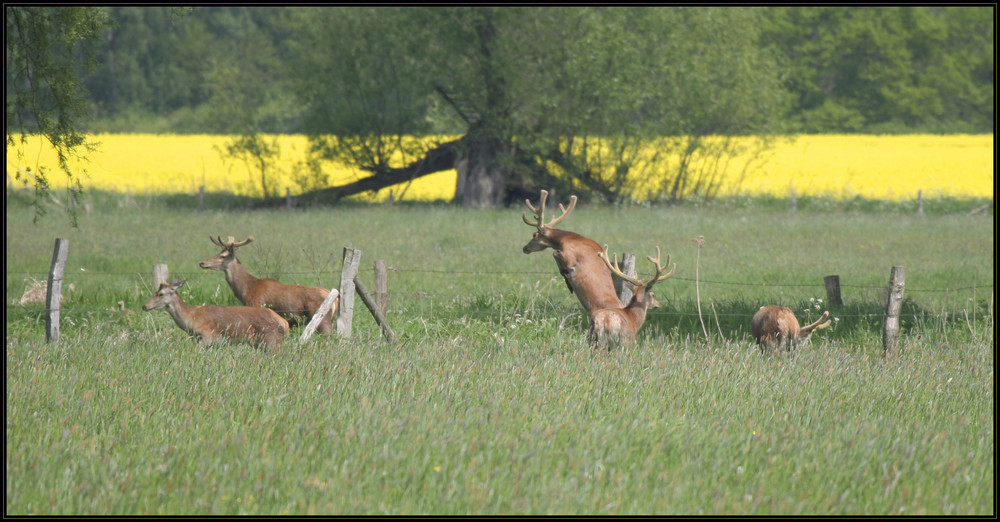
(523, 92)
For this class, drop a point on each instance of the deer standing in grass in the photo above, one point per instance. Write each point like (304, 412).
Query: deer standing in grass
(291, 301)
(259, 326)
(618, 325)
(776, 326)
(576, 256)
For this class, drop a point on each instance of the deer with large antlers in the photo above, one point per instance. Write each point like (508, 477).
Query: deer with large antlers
(575, 255)
(291, 301)
(618, 325)
(776, 326)
(259, 326)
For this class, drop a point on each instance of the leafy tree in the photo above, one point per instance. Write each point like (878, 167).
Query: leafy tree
(44, 94)
(567, 97)
(864, 69)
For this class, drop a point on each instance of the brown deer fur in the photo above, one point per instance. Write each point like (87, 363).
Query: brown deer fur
(776, 326)
(577, 258)
(619, 325)
(259, 326)
(291, 301)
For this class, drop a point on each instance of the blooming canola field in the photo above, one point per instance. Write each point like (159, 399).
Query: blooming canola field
(840, 166)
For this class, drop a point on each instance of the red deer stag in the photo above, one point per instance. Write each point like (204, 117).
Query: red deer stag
(618, 325)
(577, 258)
(261, 327)
(290, 301)
(776, 326)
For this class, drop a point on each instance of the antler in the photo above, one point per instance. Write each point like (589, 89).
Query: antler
(659, 276)
(816, 325)
(540, 212)
(648, 282)
(231, 244)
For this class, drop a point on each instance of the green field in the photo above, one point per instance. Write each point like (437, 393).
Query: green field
(492, 402)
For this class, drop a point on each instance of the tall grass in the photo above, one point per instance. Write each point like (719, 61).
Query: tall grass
(492, 403)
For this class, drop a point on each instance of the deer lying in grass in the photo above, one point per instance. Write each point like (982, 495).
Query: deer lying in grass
(619, 325)
(291, 301)
(576, 256)
(259, 326)
(776, 326)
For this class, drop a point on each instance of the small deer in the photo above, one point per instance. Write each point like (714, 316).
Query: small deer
(776, 326)
(259, 326)
(619, 325)
(575, 255)
(291, 301)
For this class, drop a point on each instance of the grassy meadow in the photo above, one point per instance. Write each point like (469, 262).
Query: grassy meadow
(492, 403)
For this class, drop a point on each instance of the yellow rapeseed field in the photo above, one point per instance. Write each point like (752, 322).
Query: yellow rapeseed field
(840, 166)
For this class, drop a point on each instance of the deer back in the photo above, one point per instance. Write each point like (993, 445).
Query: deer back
(256, 325)
(584, 272)
(775, 326)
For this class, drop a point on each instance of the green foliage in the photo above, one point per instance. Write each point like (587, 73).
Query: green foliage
(43, 91)
(896, 68)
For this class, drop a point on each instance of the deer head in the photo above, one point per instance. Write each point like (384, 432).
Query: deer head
(166, 294)
(544, 237)
(226, 256)
(643, 289)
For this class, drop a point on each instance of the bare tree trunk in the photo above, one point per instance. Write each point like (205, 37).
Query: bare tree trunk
(481, 181)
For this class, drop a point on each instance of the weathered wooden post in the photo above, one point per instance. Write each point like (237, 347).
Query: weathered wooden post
(321, 312)
(795, 201)
(381, 285)
(288, 198)
(832, 283)
(54, 290)
(352, 258)
(160, 276)
(623, 287)
(373, 308)
(896, 285)
(920, 202)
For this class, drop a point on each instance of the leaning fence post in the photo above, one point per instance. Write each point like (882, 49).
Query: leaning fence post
(319, 315)
(832, 283)
(54, 290)
(352, 258)
(373, 308)
(160, 276)
(896, 285)
(623, 287)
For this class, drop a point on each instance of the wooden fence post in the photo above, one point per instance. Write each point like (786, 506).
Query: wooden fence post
(381, 285)
(832, 283)
(795, 201)
(373, 308)
(54, 290)
(896, 285)
(352, 258)
(288, 198)
(623, 287)
(920, 202)
(160, 276)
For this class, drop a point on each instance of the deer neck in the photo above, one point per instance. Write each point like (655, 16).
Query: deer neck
(239, 279)
(559, 239)
(182, 314)
(637, 307)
